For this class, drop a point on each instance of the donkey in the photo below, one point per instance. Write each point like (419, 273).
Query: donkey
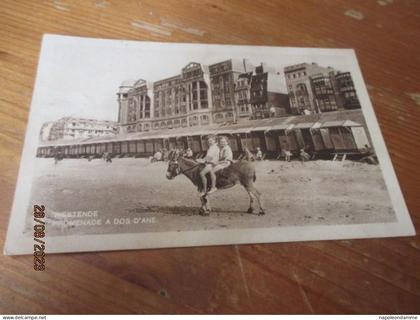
(241, 172)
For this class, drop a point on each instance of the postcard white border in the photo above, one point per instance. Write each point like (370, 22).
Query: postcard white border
(17, 244)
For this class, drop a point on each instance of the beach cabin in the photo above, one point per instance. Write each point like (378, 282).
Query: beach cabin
(157, 144)
(344, 135)
(303, 135)
(287, 139)
(321, 139)
(195, 144)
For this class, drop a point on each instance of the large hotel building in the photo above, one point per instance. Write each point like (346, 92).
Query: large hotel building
(69, 128)
(230, 91)
(316, 89)
(224, 92)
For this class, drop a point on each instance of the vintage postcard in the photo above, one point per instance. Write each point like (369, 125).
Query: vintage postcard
(136, 145)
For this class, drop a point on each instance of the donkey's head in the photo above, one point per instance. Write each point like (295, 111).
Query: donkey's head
(173, 165)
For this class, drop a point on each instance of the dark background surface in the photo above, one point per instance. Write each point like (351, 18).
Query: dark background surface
(355, 276)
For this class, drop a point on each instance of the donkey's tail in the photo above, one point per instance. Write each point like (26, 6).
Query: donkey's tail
(255, 177)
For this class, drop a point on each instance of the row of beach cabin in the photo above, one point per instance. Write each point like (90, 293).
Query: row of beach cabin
(272, 136)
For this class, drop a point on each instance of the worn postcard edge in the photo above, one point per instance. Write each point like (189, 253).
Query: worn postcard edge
(16, 244)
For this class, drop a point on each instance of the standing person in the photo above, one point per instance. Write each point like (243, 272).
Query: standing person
(106, 156)
(157, 156)
(287, 155)
(58, 156)
(189, 153)
(210, 160)
(259, 155)
(368, 155)
(225, 160)
(304, 156)
(272, 111)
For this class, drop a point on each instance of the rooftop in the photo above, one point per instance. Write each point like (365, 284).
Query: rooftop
(128, 83)
(86, 120)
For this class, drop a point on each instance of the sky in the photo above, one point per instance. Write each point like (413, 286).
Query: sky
(79, 77)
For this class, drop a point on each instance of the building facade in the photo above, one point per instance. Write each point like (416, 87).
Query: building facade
(134, 106)
(316, 89)
(122, 98)
(243, 95)
(74, 128)
(266, 98)
(223, 77)
(347, 90)
(325, 93)
(179, 101)
(196, 83)
(229, 91)
(169, 103)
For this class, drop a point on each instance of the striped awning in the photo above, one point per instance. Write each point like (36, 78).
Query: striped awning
(341, 123)
(304, 125)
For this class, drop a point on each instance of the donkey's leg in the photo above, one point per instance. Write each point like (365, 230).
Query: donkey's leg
(204, 210)
(207, 205)
(251, 201)
(258, 196)
(203, 205)
(260, 202)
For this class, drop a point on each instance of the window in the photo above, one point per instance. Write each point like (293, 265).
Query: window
(301, 89)
(147, 107)
(193, 121)
(204, 119)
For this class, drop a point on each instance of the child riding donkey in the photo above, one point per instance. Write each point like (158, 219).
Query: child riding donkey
(216, 159)
(210, 160)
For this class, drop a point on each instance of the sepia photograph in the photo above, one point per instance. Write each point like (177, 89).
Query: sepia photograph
(142, 145)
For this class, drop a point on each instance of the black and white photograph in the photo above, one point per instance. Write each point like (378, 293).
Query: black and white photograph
(135, 145)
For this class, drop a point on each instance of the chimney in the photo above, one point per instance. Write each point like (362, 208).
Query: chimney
(244, 61)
